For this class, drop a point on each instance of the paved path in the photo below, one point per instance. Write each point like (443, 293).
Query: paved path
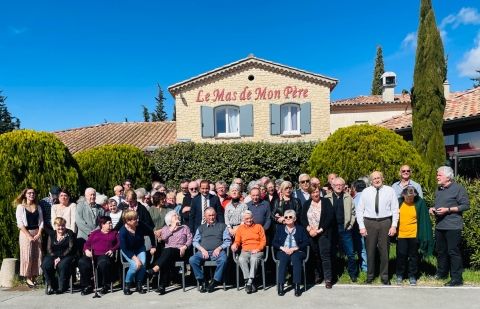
(341, 296)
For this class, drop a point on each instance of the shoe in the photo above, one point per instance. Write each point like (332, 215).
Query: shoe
(50, 291)
(30, 283)
(453, 283)
(254, 288)
(212, 285)
(413, 281)
(354, 279)
(126, 289)
(248, 288)
(369, 281)
(298, 290)
(104, 290)
(280, 291)
(60, 291)
(202, 285)
(399, 280)
(87, 290)
(140, 289)
(386, 282)
(328, 284)
(161, 290)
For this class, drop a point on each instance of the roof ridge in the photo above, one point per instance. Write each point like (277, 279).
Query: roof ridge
(112, 123)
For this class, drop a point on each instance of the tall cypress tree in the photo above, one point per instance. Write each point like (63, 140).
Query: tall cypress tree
(146, 114)
(428, 101)
(7, 122)
(159, 114)
(377, 72)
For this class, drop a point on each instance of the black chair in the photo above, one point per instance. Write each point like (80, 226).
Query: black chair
(111, 282)
(182, 265)
(210, 264)
(277, 263)
(262, 263)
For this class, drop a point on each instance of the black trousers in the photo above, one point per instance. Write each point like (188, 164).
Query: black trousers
(321, 246)
(449, 256)
(407, 252)
(377, 237)
(64, 268)
(104, 266)
(166, 262)
(297, 259)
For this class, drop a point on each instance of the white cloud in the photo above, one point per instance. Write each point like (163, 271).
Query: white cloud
(471, 60)
(466, 16)
(17, 31)
(410, 41)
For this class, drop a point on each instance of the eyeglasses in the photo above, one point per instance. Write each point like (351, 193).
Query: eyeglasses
(289, 217)
(193, 189)
(304, 181)
(30, 193)
(405, 171)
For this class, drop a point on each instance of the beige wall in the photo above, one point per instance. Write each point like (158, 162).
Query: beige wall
(189, 115)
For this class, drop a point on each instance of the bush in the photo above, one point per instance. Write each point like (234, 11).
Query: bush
(225, 161)
(471, 230)
(358, 150)
(104, 167)
(29, 158)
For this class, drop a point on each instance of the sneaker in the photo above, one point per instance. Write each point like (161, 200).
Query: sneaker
(413, 281)
(399, 280)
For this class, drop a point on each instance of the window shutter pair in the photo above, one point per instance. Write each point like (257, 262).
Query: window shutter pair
(208, 121)
(305, 119)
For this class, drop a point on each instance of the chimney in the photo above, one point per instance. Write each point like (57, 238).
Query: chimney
(446, 90)
(389, 81)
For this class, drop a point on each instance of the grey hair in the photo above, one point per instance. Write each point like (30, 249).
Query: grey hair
(168, 217)
(278, 182)
(447, 171)
(90, 189)
(247, 212)
(366, 179)
(235, 186)
(221, 183)
(101, 199)
(252, 184)
(141, 192)
(290, 212)
(302, 176)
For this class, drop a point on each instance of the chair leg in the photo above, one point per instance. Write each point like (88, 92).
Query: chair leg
(304, 277)
(263, 275)
(238, 279)
(183, 276)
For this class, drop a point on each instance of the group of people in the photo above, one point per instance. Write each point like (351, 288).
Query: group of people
(205, 221)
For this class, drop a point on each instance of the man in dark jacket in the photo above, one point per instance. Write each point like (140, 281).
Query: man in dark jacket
(202, 202)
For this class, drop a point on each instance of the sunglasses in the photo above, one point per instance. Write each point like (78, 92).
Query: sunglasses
(405, 171)
(304, 181)
(289, 217)
(193, 189)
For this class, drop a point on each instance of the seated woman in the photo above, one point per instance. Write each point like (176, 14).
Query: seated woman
(101, 246)
(61, 251)
(251, 238)
(178, 239)
(291, 241)
(132, 248)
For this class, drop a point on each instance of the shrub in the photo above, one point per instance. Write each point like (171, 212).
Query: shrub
(104, 167)
(225, 161)
(358, 150)
(471, 230)
(29, 158)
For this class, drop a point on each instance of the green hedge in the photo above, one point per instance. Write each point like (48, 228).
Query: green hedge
(358, 150)
(104, 167)
(35, 159)
(225, 161)
(471, 231)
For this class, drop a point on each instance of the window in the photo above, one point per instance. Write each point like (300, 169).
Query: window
(227, 121)
(290, 115)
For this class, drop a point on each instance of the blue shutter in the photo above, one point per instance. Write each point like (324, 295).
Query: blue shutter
(208, 125)
(246, 120)
(306, 118)
(275, 119)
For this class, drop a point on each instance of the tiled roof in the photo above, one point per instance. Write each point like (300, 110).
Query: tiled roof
(139, 134)
(460, 105)
(252, 61)
(371, 100)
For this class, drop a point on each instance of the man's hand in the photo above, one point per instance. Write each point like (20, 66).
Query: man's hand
(431, 211)
(442, 211)
(234, 247)
(204, 253)
(217, 251)
(392, 231)
(137, 261)
(363, 232)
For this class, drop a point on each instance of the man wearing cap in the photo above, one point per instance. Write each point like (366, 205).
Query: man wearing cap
(405, 181)
(46, 206)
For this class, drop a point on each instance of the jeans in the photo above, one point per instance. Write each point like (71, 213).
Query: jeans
(449, 254)
(346, 241)
(133, 274)
(197, 260)
(359, 245)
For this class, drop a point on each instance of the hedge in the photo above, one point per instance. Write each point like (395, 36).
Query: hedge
(471, 231)
(356, 151)
(29, 158)
(224, 161)
(104, 167)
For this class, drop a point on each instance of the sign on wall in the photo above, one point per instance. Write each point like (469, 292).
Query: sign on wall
(252, 94)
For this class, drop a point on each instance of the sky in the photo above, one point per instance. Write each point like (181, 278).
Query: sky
(70, 64)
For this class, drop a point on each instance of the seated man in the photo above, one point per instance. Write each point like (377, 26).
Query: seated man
(251, 237)
(211, 240)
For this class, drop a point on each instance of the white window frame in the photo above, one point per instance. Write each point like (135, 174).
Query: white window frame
(287, 130)
(228, 109)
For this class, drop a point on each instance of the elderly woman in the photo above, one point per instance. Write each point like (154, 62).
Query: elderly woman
(65, 209)
(178, 239)
(291, 241)
(30, 223)
(60, 248)
(317, 217)
(286, 202)
(101, 246)
(251, 238)
(132, 245)
(234, 210)
(115, 213)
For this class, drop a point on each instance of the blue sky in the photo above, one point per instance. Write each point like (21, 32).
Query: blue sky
(68, 64)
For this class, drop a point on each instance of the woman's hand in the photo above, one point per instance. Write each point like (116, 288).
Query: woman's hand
(109, 253)
(158, 233)
(55, 262)
(37, 236)
(152, 250)
(182, 250)
(137, 261)
(88, 253)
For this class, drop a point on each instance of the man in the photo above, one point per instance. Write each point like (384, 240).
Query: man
(86, 217)
(187, 202)
(359, 242)
(377, 217)
(251, 238)
(200, 203)
(211, 241)
(451, 200)
(315, 182)
(405, 181)
(46, 206)
(344, 214)
(221, 189)
(302, 193)
(260, 209)
(142, 212)
(119, 196)
(127, 185)
(183, 191)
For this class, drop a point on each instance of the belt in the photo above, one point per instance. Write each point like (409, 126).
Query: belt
(377, 219)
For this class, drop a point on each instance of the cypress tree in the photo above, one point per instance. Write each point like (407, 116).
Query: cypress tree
(377, 72)
(159, 114)
(146, 114)
(428, 101)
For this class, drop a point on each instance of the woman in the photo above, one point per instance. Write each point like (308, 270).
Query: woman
(285, 202)
(132, 245)
(234, 210)
(317, 218)
(61, 251)
(158, 212)
(115, 214)
(170, 200)
(101, 246)
(65, 209)
(291, 241)
(178, 239)
(30, 223)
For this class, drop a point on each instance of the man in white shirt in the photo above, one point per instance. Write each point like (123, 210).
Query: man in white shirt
(377, 217)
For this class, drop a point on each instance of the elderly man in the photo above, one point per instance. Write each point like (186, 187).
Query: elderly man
(302, 193)
(183, 191)
(221, 189)
(86, 217)
(377, 217)
(451, 200)
(251, 238)
(260, 209)
(119, 196)
(344, 213)
(405, 181)
(202, 202)
(211, 241)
